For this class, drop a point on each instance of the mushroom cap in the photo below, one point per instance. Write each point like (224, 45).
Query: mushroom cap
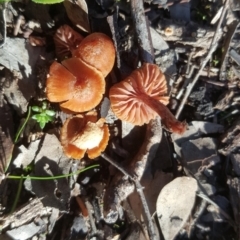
(76, 84)
(97, 50)
(84, 134)
(66, 39)
(128, 97)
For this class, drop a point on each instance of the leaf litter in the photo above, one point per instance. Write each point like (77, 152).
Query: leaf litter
(195, 174)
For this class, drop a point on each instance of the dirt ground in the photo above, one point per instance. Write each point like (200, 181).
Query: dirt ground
(150, 150)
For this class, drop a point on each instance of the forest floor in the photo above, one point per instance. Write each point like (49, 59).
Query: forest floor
(150, 181)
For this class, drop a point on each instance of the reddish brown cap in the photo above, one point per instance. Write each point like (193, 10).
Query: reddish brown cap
(66, 39)
(84, 134)
(79, 86)
(97, 50)
(130, 97)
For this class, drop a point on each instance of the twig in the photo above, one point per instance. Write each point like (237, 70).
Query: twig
(121, 186)
(213, 47)
(3, 22)
(231, 32)
(91, 220)
(139, 189)
(142, 31)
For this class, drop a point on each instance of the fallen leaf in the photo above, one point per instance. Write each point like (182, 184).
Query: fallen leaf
(51, 161)
(174, 205)
(6, 135)
(77, 12)
(26, 155)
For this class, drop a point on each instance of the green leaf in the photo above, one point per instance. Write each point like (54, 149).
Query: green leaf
(42, 125)
(50, 112)
(35, 116)
(49, 118)
(36, 109)
(44, 105)
(47, 1)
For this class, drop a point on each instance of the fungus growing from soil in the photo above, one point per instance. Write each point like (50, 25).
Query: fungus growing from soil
(84, 134)
(140, 98)
(66, 40)
(76, 85)
(97, 50)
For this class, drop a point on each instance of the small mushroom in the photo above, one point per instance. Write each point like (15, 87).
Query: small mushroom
(66, 40)
(140, 97)
(78, 86)
(97, 50)
(84, 134)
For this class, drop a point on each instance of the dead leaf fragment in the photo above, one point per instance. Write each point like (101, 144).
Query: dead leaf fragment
(174, 205)
(6, 134)
(77, 12)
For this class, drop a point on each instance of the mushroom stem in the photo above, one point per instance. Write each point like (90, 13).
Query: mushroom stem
(167, 118)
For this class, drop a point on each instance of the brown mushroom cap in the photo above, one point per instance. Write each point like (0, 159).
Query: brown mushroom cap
(83, 133)
(97, 50)
(75, 82)
(66, 40)
(139, 98)
(128, 96)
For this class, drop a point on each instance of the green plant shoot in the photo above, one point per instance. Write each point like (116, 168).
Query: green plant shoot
(43, 115)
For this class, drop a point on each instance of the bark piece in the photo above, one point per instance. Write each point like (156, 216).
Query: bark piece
(25, 214)
(235, 159)
(234, 187)
(231, 139)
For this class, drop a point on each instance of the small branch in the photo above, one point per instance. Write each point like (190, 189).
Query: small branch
(3, 23)
(142, 31)
(212, 49)
(139, 189)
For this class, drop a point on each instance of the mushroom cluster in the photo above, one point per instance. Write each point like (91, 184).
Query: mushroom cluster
(78, 84)
(140, 98)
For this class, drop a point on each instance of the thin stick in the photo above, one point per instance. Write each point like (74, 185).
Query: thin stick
(3, 12)
(212, 49)
(139, 189)
(142, 31)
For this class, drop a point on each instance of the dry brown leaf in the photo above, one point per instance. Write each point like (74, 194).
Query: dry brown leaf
(174, 205)
(6, 135)
(77, 12)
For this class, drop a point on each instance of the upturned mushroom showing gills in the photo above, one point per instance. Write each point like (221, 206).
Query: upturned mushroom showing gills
(76, 85)
(66, 40)
(97, 50)
(84, 134)
(140, 98)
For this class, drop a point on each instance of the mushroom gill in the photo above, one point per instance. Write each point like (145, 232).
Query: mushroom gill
(66, 40)
(140, 98)
(84, 134)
